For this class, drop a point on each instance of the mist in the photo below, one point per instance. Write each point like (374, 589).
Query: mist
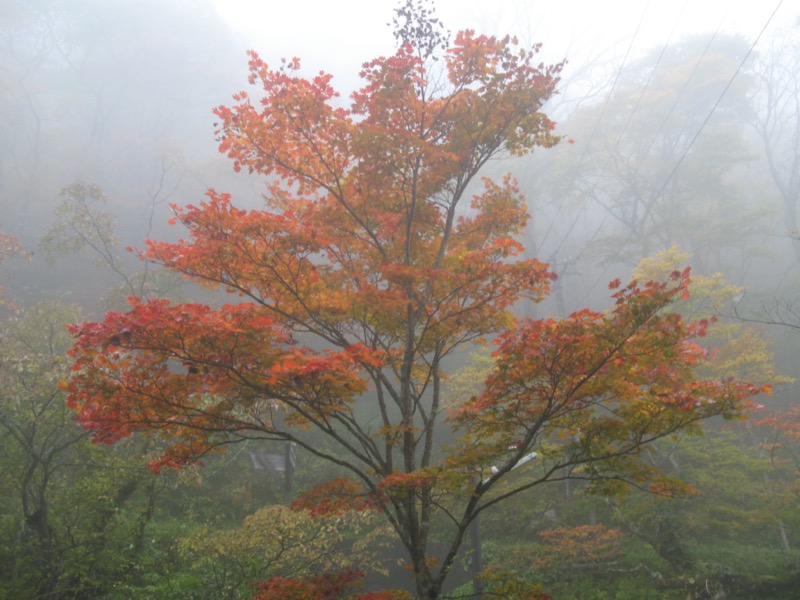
(679, 147)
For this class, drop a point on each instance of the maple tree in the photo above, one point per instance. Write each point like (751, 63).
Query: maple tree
(375, 257)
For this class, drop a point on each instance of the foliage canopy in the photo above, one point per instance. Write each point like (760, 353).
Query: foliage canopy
(377, 255)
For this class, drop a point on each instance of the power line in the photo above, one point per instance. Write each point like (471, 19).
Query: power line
(599, 120)
(694, 139)
(664, 121)
(621, 135)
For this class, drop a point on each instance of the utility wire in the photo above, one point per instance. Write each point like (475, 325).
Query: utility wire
(694, 139)
(664, 121)
(599, 120)
(622, 134)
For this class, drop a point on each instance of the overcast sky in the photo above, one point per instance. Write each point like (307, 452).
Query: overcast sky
(339, 35)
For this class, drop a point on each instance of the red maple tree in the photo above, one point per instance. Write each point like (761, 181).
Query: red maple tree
(377, 255)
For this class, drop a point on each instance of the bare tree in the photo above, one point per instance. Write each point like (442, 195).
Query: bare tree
(775, 105)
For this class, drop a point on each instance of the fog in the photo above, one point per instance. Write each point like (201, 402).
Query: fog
(577, 30)
(681, 147)
(90, 90)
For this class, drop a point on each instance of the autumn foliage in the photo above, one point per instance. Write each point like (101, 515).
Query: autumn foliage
(328, 586)
(599, 385)
(585, 546)
(378, 252)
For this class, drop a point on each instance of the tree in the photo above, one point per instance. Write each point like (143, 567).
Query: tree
(87, 95)
(363, 274)
(660, 157)
(82, 225)
(63, 498)
(35, 419)
(776, 119)
(277, 542)
(778, 433)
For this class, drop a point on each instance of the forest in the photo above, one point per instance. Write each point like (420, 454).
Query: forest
(479, 325)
